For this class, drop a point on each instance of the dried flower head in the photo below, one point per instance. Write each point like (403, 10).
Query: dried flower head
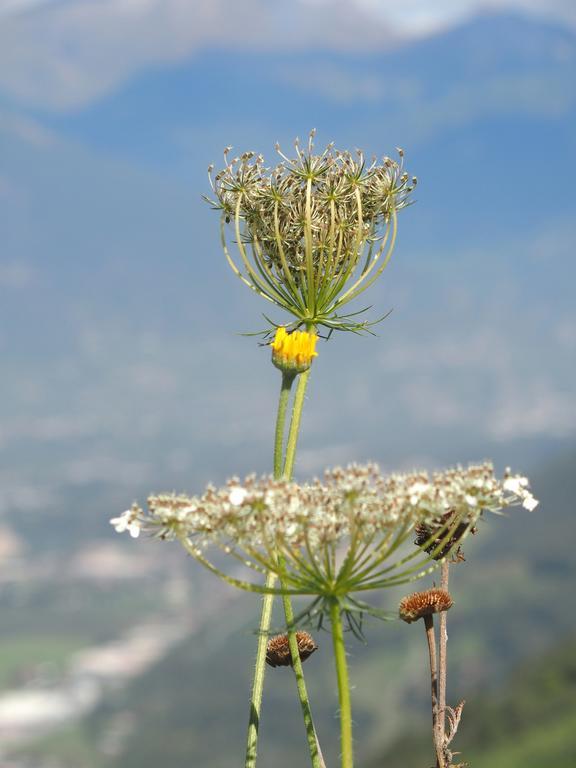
(278, 649)
(336, 536)
(314, 231)
(293, 352)
(431, 537)
(420, 604)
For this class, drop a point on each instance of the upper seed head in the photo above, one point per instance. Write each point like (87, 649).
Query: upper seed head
(303, 226)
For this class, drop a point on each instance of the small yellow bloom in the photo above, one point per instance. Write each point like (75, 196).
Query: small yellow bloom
(293, 352)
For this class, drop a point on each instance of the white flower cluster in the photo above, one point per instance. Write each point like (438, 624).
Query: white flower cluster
(262, 515)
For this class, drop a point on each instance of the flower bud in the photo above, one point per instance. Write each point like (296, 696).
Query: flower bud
(293, 352)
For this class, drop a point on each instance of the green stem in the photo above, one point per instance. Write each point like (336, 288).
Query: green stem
(287, 381)
(314, 746)
(315, 754)
(266, 615)
(295, 424)
(259, 672)
(343, 685)
(268, 600)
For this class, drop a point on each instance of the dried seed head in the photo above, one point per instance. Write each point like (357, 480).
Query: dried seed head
(305, 226)
(419, 604)
(278, 650)
(444, 536)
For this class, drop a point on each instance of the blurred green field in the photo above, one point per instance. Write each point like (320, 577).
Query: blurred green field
(552, 744)
(44, 654)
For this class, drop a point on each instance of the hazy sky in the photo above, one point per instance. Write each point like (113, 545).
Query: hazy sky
(63, 54)
(121, 362)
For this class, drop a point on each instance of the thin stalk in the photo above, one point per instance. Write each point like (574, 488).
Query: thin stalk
(295, 424)
(313, 744)
(287, 381)
(281, 469)
(343, 685)
(442, 656)
(259, 673)
(268, 600)
(431, 639)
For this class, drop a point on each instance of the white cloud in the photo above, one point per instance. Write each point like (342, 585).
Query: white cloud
(65, 55)
(422, 17)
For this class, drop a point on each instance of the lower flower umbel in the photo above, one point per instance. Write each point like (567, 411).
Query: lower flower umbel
(332, 539)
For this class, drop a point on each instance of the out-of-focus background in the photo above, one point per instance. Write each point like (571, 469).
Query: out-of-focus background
(123, 370)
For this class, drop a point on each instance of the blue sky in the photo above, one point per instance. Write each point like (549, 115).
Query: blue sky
(121, 359)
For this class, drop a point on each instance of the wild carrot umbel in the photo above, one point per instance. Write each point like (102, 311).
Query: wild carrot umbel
(313, 232)
(337, 536)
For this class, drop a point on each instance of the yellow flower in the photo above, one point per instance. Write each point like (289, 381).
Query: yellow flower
(293, 352)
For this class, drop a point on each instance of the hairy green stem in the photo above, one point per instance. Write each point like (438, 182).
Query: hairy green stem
(282, 468)
(343, 685)
(315, 752)
(259, 673)
(287, 381)
(268, 600)
(295, 424)
(314, 746)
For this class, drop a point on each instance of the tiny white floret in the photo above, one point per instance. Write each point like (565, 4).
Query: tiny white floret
(515, 484)
(530, 503)
(237, 495)
(127, 522)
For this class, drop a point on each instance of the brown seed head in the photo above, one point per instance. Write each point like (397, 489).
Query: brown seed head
(278, 650)
(419, 604)
(430, 536)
